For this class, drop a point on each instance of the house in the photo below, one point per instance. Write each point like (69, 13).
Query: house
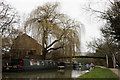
(25, 46)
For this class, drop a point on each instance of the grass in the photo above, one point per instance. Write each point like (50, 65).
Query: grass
(99, 73)
(119, 68)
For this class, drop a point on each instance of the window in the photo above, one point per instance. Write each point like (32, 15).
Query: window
(42, 63)
(38, 63)
(31, 63)
(31, 52)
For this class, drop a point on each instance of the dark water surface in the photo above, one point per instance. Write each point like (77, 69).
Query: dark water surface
(64, 73)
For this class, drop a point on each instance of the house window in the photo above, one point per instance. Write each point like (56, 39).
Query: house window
(31, 52)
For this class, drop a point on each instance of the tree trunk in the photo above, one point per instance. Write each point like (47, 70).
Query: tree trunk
(44, 52)
(110, 61)
(107, 60)
(114, 61)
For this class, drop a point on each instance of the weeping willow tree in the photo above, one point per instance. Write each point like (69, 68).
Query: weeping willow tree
(49, 26)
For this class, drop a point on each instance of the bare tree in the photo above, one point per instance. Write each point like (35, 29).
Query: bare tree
(8, 18)
(8, 23)
(7, 42)
(106, 47)
(50, 26)
(111, 29)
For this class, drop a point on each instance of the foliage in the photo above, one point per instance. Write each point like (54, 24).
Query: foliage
(112, 16)
(100, 62)
(109, 45)
(112, 26)
(104, 46)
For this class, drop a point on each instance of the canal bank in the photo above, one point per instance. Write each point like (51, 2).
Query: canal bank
(114, 70)
(100, 72)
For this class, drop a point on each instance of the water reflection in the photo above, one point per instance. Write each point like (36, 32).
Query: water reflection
(64, 73)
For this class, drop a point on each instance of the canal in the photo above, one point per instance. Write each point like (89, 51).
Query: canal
(63, 73)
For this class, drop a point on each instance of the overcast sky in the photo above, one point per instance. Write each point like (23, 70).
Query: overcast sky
(74, 9)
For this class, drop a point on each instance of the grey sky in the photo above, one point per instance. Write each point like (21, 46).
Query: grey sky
(74, 9)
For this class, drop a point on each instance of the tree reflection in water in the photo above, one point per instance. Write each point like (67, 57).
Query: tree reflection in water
(63, 73)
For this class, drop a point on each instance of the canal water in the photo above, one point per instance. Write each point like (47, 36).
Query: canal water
(63, 73)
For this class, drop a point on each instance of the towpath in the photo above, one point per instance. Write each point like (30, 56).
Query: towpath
(115, 70)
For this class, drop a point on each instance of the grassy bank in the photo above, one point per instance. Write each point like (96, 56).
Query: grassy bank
(99, 73)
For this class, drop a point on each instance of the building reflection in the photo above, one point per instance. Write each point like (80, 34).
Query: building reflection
(64, 73)
(41, 74)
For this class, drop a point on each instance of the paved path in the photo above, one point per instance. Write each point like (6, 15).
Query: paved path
(103, 67)
(116, 71)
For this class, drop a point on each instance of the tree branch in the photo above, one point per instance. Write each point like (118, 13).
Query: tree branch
(2, 16)
(7, 23)
(55, 48)
(55, 41)
(97, 11)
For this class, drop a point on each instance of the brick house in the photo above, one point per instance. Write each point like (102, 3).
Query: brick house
(25, 46)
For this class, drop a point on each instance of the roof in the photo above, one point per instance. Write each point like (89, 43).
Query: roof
(25, 42)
